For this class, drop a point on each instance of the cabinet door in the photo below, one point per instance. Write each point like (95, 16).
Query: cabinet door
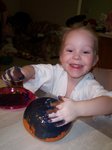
(105, 52)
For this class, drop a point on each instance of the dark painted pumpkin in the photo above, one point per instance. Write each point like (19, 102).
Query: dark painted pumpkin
(36, 121)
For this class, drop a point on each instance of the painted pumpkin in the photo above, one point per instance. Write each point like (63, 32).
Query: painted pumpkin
(36, 121)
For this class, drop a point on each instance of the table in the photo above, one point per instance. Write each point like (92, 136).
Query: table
(82, 136)
(13, 136)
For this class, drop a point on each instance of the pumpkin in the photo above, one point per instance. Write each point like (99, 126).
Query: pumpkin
(36, 121)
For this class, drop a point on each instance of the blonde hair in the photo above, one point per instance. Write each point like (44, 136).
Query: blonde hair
(67, 30)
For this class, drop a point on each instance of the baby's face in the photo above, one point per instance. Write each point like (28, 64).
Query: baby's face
(77, 55)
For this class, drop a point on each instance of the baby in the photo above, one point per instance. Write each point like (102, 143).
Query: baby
(81, 94)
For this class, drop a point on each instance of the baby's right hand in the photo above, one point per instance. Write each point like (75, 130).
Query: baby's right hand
(12, 75)
(66, 112)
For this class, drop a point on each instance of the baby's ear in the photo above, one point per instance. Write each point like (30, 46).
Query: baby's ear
(96, 59)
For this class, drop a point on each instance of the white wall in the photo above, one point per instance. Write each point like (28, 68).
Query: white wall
(56, 11)
(94, 8)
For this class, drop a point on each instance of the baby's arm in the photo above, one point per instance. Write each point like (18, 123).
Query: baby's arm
(15, 74)
(70, 110)
(97, 106)
(28, 72)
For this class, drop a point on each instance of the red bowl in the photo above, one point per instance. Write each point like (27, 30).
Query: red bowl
(15, 97)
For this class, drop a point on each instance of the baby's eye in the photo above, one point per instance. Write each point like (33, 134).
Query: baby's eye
(86, 52)
(69, 50)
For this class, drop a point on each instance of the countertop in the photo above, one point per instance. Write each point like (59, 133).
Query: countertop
(107, 34)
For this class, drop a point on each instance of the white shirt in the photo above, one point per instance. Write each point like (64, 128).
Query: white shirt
(53, 79)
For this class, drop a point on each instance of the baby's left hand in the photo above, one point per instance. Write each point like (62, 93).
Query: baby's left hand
(65, 111)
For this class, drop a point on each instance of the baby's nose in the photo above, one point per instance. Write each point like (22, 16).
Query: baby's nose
(76, 56)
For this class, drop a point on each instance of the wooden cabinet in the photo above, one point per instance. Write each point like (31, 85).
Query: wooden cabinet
(105, 52)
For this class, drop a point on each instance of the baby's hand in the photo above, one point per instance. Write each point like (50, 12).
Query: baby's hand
(12, 75)
(65, 112)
